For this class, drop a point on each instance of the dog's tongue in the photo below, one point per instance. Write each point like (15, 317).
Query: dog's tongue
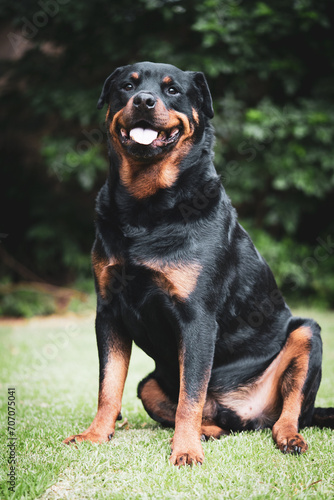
(143, 135)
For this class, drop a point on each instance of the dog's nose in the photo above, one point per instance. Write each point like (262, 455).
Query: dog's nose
(144, 101)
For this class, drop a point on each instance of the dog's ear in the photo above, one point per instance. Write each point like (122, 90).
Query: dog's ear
(106, 88)
(203, 87)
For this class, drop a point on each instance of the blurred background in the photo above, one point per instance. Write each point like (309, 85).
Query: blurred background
(270, 69)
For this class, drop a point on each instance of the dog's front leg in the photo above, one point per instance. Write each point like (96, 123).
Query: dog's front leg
(114, 356)
(195, 359)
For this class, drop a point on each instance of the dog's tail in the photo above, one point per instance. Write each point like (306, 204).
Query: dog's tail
(323, 417)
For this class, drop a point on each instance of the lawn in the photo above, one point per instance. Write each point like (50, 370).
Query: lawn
(52, 365)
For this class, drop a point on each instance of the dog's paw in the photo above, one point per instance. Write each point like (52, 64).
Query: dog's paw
(294, 444)
(184, 455)
(93, 437)
(189, 457)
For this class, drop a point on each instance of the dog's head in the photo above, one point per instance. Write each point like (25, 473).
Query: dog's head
(153, 107)
(156, 113)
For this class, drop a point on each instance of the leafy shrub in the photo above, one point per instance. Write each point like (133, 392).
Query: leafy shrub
(268, 64)
(25, 303)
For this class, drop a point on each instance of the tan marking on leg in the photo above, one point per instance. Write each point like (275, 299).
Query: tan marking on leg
(261, 400)
(213, 431)
(257, 400)
(285, 431)
(110, 398)
(157, 403)
(186, 443)
(161, 408)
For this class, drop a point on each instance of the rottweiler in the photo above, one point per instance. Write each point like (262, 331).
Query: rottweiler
(177, 274)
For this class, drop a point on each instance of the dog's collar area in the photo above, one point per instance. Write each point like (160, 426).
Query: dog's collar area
(146, 135)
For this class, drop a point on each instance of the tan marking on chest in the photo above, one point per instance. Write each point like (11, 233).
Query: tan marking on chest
(103, 270)
(177, 279)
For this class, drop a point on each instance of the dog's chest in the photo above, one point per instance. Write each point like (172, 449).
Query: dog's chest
(130, 277)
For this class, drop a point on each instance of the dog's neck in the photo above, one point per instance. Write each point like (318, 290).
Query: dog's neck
(162, 178)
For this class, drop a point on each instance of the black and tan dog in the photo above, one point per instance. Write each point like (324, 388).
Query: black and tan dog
(177, 274)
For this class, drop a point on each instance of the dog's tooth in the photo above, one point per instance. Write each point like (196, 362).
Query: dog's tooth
(143, 136)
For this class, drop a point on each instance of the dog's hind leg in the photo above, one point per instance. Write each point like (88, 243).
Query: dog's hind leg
(298, 385)
(318, 417)
(162, 409)
(156, 402)
(213, 431)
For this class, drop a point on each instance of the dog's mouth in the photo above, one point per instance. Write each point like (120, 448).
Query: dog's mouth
(144, 134)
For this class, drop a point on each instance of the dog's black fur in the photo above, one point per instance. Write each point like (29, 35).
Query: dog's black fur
(178, 275)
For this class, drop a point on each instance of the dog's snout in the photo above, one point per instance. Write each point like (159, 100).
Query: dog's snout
(144, 101)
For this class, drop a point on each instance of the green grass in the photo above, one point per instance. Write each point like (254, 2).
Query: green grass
(52, 363)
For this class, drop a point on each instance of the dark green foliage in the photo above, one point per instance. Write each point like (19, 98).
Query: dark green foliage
(25, 303)
(270, 68)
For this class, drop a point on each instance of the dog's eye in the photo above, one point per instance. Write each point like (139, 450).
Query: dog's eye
(172, 91)
(128, 86)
